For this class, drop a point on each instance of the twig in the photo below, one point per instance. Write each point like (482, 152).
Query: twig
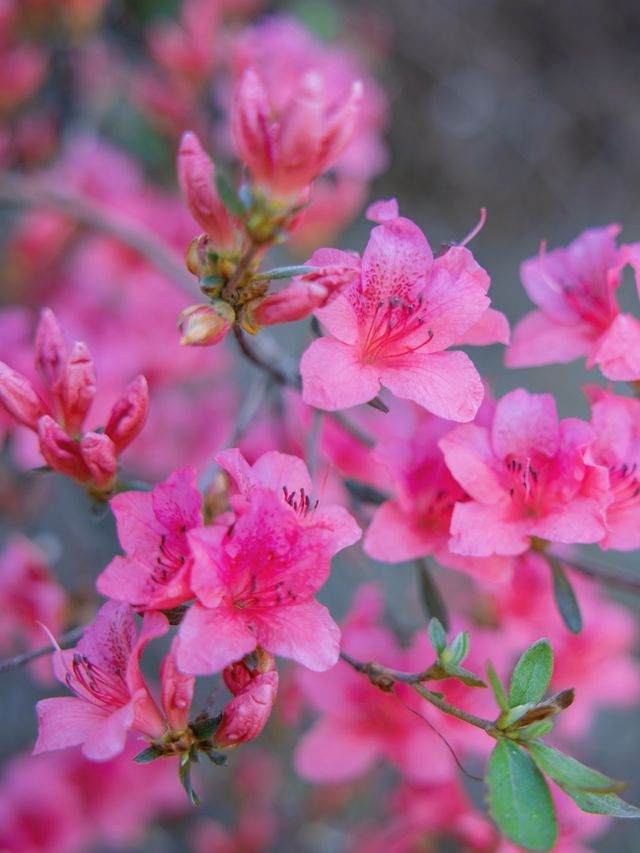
(243, 265)
(66, 640)
(275, 371)
(385, 678)
(18, 192)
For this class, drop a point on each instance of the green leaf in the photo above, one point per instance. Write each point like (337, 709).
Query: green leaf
(496, 686)
(285, 272)
(185, 778)
(217, 758)
(535, 730)
(205, 729)
(532, 674)
(432, 601)
(566, 601)
(147, 755)
(609, 804)
(437, 636)
(569, 773)
(458, 649)
(519, 798)
(228, 195)
(464, 675)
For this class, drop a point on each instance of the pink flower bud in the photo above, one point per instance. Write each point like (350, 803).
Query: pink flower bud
(291, 303)
(246, 714)
(77, 388)
(239, 674)
(51, 349)
(205, 325)
(61, 452)
(251, 126)
(99, 455)
(129, 414)
(196, 174)
(19, 398)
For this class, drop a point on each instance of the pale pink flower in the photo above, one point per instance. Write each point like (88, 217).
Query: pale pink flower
(393, 323)
(284, 154)
(359, 724)
(187, 47)
(527, 476)
(255, 581)
(415, 522)
(111, 697)
(616, 423)
(152, 529)
(575, 291)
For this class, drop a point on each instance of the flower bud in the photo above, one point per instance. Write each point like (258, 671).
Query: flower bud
(196, 174)
(51, 349)
(99, 455)
(237, 675)
(61, 452)
(129, 414)
(294, 302)
(77, 388)
(205, 325)
(19, 398)
(246, 714)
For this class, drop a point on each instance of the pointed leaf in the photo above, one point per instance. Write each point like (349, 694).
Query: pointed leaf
(437, 636)
(519, 798)
(464, 675)
(432, 601)
(565, 597)
(609, 804)
(569, 773)
(496, 686)
(285, 272)
(532, 674)
(228, 195)
(147, 755)
(184, 773)
(535, 730)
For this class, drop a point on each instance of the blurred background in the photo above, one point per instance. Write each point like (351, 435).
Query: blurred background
(526, 109)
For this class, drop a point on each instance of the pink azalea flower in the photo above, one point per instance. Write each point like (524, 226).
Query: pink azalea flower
(575, 291)
(528, 476)
(393, 323)
(111, 697)
(152, 528)
(29, 595)
(255, 581)
(415, 522)
(358, 724)
(616, 423)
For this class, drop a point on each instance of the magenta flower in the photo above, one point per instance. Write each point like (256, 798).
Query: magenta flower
(527, 476)
(255, 581)
(111, 697)
(575, 291)
(152, 528)
(393, 323)
(616, 422)
(415, 521)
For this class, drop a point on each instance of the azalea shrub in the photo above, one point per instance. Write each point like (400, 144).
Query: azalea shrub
(266, 491)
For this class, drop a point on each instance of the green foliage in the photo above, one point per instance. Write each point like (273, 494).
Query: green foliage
(147, 755)
(496, 686)
(285, 272)
(451, 655)
(228, 195)
(532, 674)
(565, 597)
(569, 773)
(184, 772)
(519, 798)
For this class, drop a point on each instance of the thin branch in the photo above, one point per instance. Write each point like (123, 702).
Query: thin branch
(385, 678)
(243, 265)
(19, 192)
(66, 640)
(277, 372)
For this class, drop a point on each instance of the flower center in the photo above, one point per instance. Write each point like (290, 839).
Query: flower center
(395, 323)
(92, 684)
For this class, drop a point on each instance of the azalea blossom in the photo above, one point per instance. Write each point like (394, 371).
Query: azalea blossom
(578, 313)
(254, 685)
(152, 528)
(111, 697)
(392, 325)
(255, 580)
(528, 475)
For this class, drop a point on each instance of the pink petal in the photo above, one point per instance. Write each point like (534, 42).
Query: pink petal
(491, 328)
(396, 261)
(210, 639)
(209, 572)
(394, 536)
(340, 524)
(538, 339)
(138, 529)
(383, 210)
(77, 387)
(617, 353)
(304, 632)
(481, 531)
(579, 520)
(333, 751)
(66, 721)
(177, 503)
(333, 377)
(339, 319)
(525, 423)
(445, 383)
(470, 458)
(129, 414)
(51, 349)
(19, 398)
(177, 690)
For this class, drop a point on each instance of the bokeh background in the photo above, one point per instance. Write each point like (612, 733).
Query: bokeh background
(528, 109)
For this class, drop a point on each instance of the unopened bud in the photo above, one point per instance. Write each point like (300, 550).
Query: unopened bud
(129, 414)
(205, 325)
(19, 398)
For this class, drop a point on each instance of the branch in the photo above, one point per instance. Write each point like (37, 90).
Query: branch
(385, 678)
(19, 192)
(66, 641)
